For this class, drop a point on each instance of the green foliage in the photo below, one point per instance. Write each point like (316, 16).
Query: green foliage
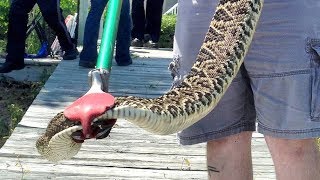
(2, 46)
(46, 73)
(16, 114)
(167, 31)
(33, 43)
(19, 96)
(69, 7)
(4, 11)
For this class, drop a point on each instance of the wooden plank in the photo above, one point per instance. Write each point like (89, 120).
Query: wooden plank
(142, 152)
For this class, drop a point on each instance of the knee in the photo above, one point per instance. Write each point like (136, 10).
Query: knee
(230, 142)
(292, 147)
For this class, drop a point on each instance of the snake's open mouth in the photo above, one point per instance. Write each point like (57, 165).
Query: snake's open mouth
(65, 137)
(100, 129)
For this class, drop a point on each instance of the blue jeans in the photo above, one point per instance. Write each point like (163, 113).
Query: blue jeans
(89, 53)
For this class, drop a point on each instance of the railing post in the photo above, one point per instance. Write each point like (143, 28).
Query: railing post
(83, 13)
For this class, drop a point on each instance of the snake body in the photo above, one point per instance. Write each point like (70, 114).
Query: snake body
(220, 57)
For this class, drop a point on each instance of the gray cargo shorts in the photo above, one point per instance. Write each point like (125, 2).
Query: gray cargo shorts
(284, 105)
(277, 90)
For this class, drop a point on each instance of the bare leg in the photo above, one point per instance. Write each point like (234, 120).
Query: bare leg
(230, 158)
(295, 159)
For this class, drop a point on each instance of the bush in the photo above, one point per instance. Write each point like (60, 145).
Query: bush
(69, 7)
(167, 31)
(4, 9)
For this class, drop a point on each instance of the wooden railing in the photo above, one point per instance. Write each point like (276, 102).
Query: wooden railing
(172, 10)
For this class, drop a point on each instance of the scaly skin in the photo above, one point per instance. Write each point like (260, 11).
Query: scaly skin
(220, 57)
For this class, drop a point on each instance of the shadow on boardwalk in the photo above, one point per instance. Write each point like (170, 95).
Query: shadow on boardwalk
(129, 152)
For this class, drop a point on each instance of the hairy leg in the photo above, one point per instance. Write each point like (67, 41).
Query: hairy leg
(295, 159)
(230, 158)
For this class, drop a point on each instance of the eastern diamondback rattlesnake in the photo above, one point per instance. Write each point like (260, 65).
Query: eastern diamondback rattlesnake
(220, 57)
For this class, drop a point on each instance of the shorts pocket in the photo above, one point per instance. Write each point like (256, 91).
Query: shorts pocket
(315, 95)
(312, 48)
(315, 84)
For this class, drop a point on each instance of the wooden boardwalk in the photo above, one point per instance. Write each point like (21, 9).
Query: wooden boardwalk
(129, 152)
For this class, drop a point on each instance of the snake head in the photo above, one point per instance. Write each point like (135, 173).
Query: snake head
(63, 138)
(87, 108)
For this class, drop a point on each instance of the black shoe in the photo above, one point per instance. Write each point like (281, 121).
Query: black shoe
(151, 44)
(70, 54)
(8, 67)
(87, 64)
(137, 42)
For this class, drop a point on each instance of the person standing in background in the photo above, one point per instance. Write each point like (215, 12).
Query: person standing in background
(146, 23)
(89, 54)
(17, 28)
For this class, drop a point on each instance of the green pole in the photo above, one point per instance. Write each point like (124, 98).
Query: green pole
(109, 34)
